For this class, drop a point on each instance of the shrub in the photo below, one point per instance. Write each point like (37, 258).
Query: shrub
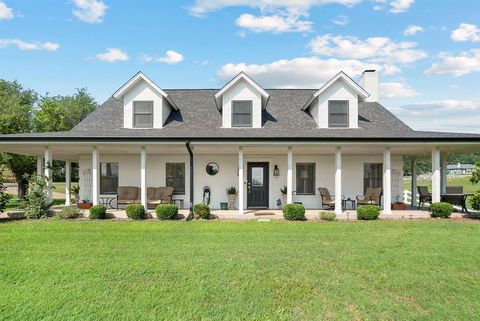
(37, 204)
(475, 201)
(98, 212)
(136, 211)
(441, 209)
(4, 197)
(368, 212)
(68, 212)
(202, 210)
(166, 211)
(327, 216)
(294, 212)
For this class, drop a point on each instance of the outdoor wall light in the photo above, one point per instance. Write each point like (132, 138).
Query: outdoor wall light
(276, 171)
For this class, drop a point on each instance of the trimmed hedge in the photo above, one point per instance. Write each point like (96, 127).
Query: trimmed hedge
(68, 212)
(368, 212)
(202, 210)
(294, 212)
(166, 211)
(441, 209)
(136, 211)
(98, 212)
(328, 216)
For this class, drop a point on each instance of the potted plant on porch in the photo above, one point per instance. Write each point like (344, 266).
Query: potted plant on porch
(75, 190)
(85, 204)
(232, 197)
(283, 190)
(399, 206)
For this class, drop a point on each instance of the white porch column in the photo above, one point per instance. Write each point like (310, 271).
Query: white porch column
(436, 175)
(387, 181)
(143, 176)
(240, 180)
(338, 180)
(39, 166)
(290, 176)
(48, 173)
(68, 182)
(414, 182)
(443, 179)
(95, 185)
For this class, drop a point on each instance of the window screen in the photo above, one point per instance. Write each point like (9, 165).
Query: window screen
(372, 175)
(108, 178)
(242, 113)
(305, 178)
(338, 113)
(143, 114)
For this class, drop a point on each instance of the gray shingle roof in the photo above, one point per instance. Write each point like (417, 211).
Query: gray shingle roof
(199, 118)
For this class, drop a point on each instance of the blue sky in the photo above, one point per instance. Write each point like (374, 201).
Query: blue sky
(428, 52)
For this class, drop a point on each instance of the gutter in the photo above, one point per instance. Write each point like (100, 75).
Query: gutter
(190, 152)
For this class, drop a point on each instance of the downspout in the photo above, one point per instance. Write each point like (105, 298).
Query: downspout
(190, 214)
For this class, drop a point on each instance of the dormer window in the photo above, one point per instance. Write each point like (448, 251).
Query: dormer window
(143, 114)
(338, 113)
(242, 113)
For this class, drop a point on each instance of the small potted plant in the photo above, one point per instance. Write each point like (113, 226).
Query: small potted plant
(75, 190)
(399, 206)
(283, 190)
(85, 204)
(232, 197)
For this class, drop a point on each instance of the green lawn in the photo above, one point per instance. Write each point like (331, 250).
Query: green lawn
(468, 187)
(120, 270)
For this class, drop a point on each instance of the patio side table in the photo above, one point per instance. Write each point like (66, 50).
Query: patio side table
(352, 202)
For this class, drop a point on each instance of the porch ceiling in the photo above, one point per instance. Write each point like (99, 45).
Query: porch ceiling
(72, 151)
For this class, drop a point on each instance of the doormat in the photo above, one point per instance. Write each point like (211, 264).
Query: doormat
(263, 213)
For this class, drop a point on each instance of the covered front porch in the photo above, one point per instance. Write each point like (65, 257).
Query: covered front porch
(258, 170)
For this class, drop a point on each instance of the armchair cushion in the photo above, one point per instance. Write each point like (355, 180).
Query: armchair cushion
(127, 193)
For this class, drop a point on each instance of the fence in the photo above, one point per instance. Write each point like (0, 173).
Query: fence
(407, 197)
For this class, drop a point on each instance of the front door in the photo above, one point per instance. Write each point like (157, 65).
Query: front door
(257, 185)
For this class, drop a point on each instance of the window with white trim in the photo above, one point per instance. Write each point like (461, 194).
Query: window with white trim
(338, 113)
(143, 114)
(242, 113)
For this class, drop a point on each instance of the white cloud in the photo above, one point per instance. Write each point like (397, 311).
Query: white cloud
(6, 13)
(399, 6)
(442, 115)
(22, 45)
(274, 23)
(91, 11)
(308, 72)
(341, 20)
(466, 32)
(376, 49)
(412, 30)
(397, 90)
(202, 7)
(456, 65)
(171, 57)
(112, 55)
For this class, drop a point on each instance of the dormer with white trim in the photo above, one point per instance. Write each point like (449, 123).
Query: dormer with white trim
(145, 105)
(241, 102)
(335, 104)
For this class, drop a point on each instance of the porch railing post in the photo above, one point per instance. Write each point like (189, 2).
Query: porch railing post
(95, 173)
(414, 182)
(338, 180)
(68, 184)
(443, 158)
(289, 176)
(436, 189)
(387, 181)
(240, 181)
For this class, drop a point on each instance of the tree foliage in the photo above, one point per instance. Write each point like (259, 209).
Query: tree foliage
(4, 197)
(37, 204)
(475, 179)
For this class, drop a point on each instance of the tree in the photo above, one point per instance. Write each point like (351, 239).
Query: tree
(16, 114)
(62, 113)
(37, 204)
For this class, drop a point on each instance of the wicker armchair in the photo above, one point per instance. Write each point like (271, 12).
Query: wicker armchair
(373, 196)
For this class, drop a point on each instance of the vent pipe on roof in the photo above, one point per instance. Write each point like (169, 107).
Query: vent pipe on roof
(370, 82)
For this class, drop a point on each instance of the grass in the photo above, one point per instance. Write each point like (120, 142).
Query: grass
(120, 270)
(468, 187)
(14, 205)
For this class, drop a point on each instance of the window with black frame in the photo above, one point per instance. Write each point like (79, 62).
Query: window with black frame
(175, 173)
(305, 178)
(143, 114)
(372, 175)
(242, 113)
(338, 113)
(108, 178)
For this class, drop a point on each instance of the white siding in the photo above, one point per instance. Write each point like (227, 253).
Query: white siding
(339, 90)
(242, 90)
(143, 91)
